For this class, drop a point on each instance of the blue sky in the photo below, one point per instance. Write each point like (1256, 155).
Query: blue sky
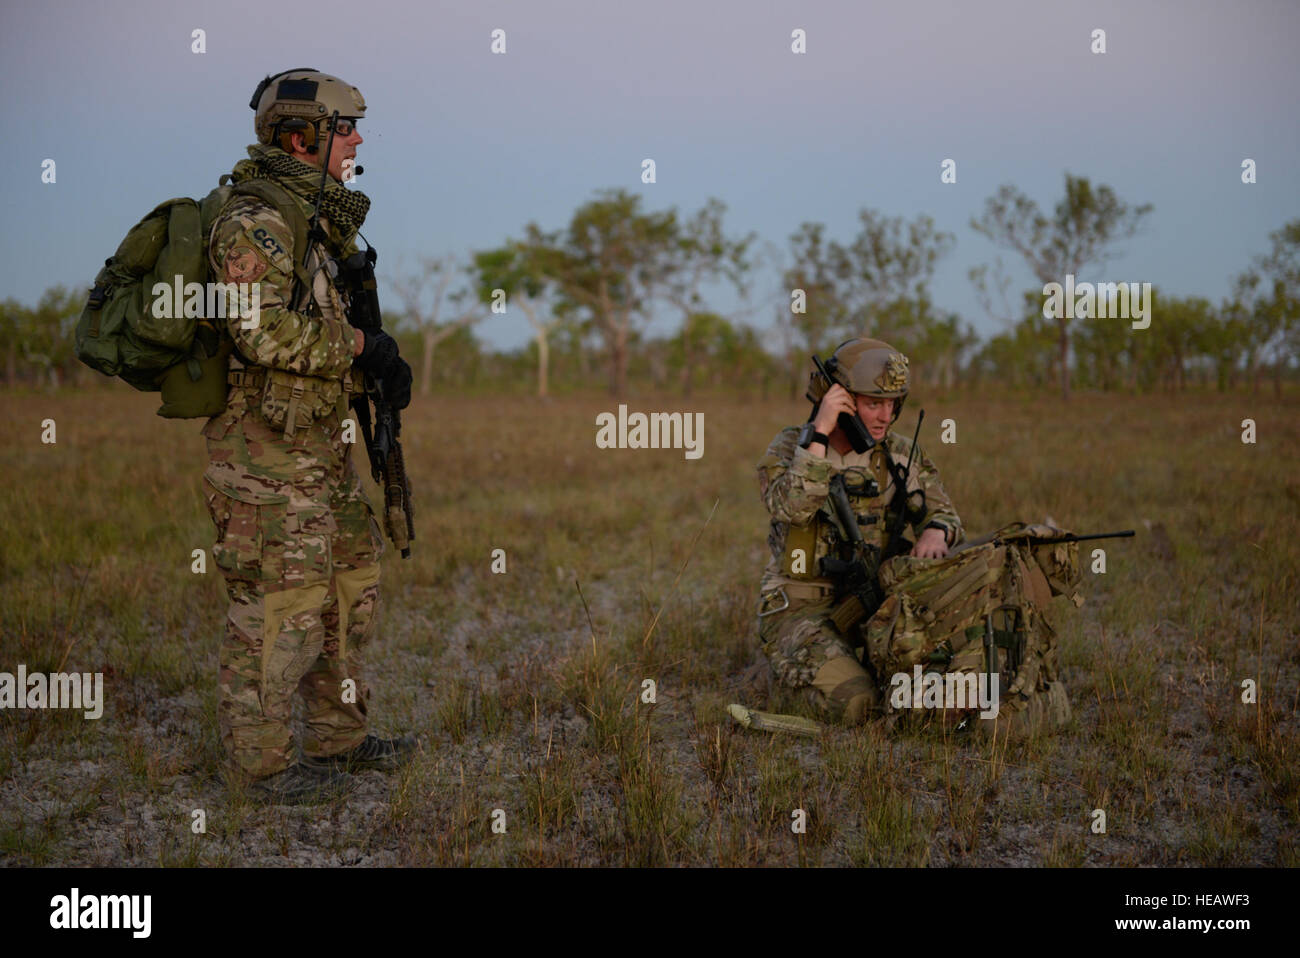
(464, 147)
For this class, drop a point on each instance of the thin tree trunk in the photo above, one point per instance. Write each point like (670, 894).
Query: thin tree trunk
(688, 368)
(1065, 362)
(426, 365)
(618, 361)
(543, 364)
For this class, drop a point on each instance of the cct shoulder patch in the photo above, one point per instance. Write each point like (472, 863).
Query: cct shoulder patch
(267, 245)
(266, 239)
(243, 264)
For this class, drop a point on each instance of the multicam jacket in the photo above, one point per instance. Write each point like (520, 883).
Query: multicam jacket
(251, 243)
(795, 485)
(291, 374)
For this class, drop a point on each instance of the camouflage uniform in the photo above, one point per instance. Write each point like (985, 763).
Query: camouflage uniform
(805, 649)
(297, 541)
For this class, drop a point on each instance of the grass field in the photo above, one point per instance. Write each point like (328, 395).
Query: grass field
(527, 691)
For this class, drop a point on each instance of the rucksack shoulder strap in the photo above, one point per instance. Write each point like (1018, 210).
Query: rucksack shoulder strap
(284, 204)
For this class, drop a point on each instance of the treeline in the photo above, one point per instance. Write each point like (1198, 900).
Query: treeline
(590, 290)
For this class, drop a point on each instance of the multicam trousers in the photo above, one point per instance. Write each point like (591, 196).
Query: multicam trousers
(808, 654)
(302, 576)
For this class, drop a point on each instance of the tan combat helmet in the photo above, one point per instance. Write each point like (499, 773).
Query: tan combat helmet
(867, 367)
(296, 101)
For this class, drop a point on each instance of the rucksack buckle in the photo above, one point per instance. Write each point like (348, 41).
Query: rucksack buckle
(247, 378)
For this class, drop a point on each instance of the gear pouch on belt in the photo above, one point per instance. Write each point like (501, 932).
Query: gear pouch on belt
(292, 402)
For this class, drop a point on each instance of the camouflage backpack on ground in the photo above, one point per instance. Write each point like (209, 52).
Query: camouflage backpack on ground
(984, 604)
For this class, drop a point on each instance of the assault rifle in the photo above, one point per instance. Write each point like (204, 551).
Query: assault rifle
(857, 587)
(1071, 537)
(1042, 540)
(356, 278)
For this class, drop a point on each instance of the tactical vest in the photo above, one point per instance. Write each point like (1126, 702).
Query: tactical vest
(821, 536)
(287, 400)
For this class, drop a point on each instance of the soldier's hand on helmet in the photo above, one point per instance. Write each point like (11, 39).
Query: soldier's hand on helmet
(932, 544)
(837, 400)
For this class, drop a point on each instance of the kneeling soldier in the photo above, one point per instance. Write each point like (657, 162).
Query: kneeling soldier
(807, 650)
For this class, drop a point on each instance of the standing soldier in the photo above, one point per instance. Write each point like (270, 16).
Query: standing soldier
(806, 649)
(297, 542)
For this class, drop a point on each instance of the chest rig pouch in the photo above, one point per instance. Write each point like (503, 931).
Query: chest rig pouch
(821, 536)
(294, 402)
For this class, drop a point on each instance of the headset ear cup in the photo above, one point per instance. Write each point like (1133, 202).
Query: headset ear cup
(290, 127)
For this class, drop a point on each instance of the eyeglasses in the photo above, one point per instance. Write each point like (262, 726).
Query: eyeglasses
(344, 125)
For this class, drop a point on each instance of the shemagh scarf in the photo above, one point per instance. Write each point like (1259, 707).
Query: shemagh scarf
(344, 209)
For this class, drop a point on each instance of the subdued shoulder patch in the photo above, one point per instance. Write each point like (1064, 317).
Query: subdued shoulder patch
(243, 264)
(267, 240)
(269, 245)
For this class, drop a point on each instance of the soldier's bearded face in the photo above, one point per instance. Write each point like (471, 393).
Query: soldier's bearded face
(876, 414)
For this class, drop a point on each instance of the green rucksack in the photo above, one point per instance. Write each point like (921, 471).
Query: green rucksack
(184, 357)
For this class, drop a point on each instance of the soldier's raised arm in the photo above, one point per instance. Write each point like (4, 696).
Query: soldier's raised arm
(792, 481)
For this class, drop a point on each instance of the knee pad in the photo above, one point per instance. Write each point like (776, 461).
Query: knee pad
(850, 693)
(350, 586)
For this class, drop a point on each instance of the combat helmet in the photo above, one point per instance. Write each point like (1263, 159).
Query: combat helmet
(868, 367)
(297, 101)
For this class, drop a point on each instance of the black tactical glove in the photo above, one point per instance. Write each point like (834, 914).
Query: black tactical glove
(379, 358)
(377, 353)
(397, 384)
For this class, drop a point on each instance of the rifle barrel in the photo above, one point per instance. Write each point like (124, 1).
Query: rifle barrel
(1127, 533)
